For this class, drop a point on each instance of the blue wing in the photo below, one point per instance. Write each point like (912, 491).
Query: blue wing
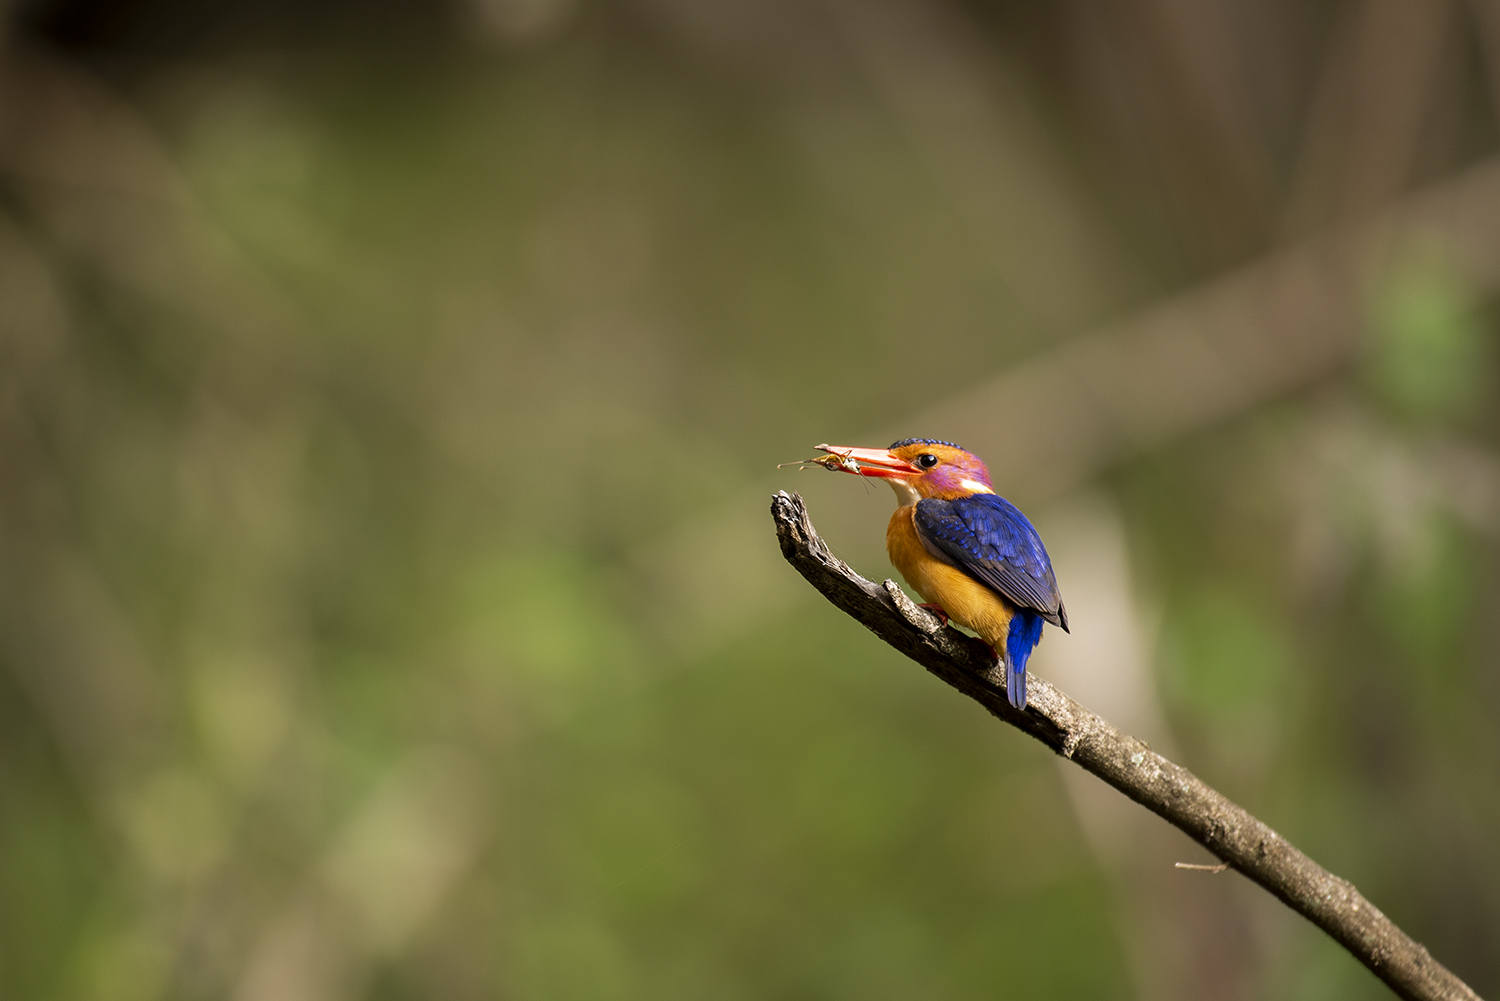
(988, 538)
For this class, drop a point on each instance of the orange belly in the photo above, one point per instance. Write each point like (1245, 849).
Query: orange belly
(966, 600)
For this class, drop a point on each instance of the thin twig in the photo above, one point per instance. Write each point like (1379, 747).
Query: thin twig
(1169, 790)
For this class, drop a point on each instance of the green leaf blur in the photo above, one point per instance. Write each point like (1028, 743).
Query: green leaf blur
(391, 396)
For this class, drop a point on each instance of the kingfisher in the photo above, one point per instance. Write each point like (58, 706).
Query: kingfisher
(970, 553)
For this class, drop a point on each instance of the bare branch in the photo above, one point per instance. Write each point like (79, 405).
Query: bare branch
(1169, 790)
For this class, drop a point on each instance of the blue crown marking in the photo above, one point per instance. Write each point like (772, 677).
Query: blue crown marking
(925, 441)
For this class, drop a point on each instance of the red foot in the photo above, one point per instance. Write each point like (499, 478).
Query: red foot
(938, 611)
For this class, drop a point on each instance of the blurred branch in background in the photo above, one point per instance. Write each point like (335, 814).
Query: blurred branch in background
(1290, 320)
(1055, 421)
(386, 387)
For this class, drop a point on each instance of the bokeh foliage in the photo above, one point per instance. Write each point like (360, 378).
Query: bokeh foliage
(337, 439)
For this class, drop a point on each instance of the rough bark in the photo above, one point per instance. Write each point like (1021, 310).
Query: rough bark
(1169, 790)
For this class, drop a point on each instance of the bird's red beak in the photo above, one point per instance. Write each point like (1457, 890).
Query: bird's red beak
(877, 462)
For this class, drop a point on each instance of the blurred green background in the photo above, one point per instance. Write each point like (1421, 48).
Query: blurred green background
(389, 404)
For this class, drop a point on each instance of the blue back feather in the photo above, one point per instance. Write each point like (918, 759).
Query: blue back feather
(989, 538)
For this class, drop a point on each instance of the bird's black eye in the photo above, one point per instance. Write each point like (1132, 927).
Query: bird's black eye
(927, 460)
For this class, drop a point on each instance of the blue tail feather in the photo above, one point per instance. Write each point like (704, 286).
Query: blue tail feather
(1022, 637)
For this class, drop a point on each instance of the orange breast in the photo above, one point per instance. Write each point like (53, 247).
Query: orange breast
(966, 600)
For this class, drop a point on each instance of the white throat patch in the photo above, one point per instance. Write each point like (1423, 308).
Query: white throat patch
(905, 493)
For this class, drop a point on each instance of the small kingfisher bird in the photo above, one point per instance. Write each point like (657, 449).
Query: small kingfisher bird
(970, 554)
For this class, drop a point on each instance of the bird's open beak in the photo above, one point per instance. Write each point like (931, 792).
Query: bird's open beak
(877, 462)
